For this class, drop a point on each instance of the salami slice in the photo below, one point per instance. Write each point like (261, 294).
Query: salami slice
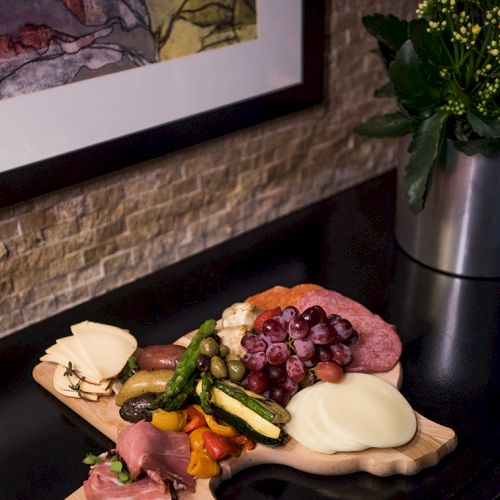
(378, 348)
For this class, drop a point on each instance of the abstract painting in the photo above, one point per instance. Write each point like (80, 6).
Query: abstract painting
(48, 43)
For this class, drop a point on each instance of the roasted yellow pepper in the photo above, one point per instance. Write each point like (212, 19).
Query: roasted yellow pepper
(196, 438)
(220, 428)
(201, 465)
(215, 426)
(169, 420)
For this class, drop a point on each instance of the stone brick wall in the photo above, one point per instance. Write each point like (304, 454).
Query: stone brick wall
(66, 247)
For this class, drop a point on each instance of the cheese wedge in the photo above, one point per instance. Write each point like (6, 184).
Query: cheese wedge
(64, 382)
(71, 348)
(107, 347)
(67, 385)
(53, 355)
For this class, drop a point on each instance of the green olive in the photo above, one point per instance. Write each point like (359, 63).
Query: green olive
(217, 367)
(142, 382)
(232, 357)
(236, 370)
(209, 347)
(223, 350)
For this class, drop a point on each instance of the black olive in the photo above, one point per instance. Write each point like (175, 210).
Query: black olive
(138, 408)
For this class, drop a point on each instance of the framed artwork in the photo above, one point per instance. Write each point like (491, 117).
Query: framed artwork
(91, 86)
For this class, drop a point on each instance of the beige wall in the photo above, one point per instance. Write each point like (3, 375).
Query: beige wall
(66, 247)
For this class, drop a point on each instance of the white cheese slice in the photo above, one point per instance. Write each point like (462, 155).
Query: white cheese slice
(370, 410)
(108, 347)
(64, 382)
(313, 429)
(361, 411)
(74, 394)
(71, 347)
(60, 354)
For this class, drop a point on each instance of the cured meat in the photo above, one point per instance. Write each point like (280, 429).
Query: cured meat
(160, 454)
(378, 348)
(281, 296)
(102, 484)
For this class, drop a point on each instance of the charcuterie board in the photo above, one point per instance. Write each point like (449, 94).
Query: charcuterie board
(431, 442)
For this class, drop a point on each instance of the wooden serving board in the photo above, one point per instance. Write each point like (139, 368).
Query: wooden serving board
(430, 443)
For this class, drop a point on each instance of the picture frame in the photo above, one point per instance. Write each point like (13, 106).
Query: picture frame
(279, 73)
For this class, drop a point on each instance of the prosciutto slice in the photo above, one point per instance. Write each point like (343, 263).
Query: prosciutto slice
(103, 484)
(162, 455)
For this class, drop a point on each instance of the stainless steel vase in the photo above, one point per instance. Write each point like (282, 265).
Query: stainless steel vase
(458, 231)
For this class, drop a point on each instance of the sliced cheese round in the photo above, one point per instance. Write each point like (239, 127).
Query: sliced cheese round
(370, 410)
(361, 411)
(313, 428)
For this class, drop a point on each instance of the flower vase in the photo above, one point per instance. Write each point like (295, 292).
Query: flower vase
(458, 231)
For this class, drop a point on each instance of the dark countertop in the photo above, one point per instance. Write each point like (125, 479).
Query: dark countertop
(450, 328)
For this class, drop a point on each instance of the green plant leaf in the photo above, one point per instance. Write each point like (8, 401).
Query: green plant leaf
(390, 125)
(409, 80)
(424, 151)
(428, 45)
(486, 147)
(487, 128)
(388, 30)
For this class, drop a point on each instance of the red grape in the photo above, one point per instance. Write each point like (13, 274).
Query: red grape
(290, 313)
(341, 354)
(329, 371)
(290, 386)
(304, 348)
(353, 338)
(324, 353)
(343, 329)
(280, 395)
(277, 373)
(322, 334)
(278, 353)
(314, 315)
(295, 368)
(257, 382)
(298, 328)
(273, 330)
(255, 362)
(253, 343)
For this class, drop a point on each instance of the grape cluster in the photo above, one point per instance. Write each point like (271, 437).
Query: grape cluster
(294, 350)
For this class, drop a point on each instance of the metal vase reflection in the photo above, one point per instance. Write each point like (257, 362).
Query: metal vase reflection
(447, 323)
(458, 231)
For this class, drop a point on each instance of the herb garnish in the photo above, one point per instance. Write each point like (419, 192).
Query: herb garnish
(75, 387)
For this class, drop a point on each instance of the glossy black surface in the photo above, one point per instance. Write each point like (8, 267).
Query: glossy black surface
(450, 329)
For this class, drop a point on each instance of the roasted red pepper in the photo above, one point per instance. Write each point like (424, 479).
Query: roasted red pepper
(195, 419)
(219, 447)
(242, 440)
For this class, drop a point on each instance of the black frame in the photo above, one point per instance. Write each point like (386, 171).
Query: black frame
(28, 181)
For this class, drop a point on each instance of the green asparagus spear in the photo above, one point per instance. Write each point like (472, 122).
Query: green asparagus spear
(185, 369)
